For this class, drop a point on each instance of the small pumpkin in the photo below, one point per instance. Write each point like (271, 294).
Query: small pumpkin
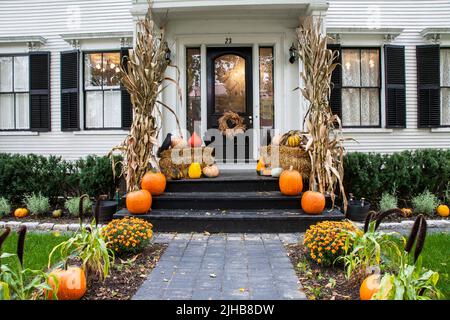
(313, 202)
(21, 212)
(260, 166)
(211, 171)
(443, 210)
(139, 202)
(291, 183)
(369, 287)
(276, 172)
(195, 141)
(406, 212)
(294, 141)
(154, 182)
(276, 140)
(71, 283)
(57, 213)
(195, 170)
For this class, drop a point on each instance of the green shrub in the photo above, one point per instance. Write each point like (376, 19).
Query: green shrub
(425, 203)
(37, 204)
(5, 207)
(73, 206)
(388, 201)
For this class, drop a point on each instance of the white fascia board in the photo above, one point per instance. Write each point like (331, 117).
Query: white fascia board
(23, 40)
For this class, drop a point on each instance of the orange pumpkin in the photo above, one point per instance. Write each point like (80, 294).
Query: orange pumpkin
(369, 287)
(443, 210)
(313, 202)
(291, 183)
(154, 182)
(72, 283)
(20, 212)
(139, 202)
(195, 141)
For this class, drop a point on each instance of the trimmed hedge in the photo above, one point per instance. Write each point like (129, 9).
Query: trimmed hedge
(368, 175)
(52, 176)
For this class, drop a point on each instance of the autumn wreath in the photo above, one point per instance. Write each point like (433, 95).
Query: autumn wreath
(231, 124)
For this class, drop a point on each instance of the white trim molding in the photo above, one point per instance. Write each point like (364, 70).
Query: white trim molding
(74, 39)
(33, 42)
(381, 34)
(435, 34)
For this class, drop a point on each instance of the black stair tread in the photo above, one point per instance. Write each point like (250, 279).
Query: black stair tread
(231, 175)
(231, 196)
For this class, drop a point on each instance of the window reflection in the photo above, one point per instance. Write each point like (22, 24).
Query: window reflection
(193, 107)
(266, 99)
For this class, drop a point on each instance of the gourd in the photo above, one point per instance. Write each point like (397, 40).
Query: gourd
(71, 283)
(195, 170)
(443, 210)
(276, 172)
(154, 182)
(260, 166)
(294, 141)
(313, 202)
(20, 212)
(195, 141)
(291, 183)
(211, 171)
(369, 287)
(57, 213)
(139, 202)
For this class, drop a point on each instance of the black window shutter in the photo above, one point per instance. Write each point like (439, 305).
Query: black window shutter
(394, 57)
(428, 86)
(127, 109)
(336, 83)
(39, 66)
(70, 79)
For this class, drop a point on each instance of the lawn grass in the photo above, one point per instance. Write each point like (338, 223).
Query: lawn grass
(37, 248)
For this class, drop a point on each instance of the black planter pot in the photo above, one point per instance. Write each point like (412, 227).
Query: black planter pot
(106, 210)
(356, 211)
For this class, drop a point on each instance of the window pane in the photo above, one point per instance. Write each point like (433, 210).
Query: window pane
(351, 115)
(445, 67)
(445, 102)
(266, 87)
(6, 74)
(351, 64)
(370, 107)
(93, 71)
(113, 110)
(6, 111)
(21, 75)
(22, 111)
(229, 86)
(193, 101)
(94, 109)
(110, 66)
(370, 68)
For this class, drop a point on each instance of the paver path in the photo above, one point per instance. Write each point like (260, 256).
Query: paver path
(223, 266)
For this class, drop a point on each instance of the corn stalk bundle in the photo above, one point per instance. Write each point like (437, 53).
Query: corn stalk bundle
(325, 146)
(143, 76)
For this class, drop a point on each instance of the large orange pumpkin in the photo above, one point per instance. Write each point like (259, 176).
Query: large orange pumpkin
(72, 283)
(154, 182)
(291, 183)
(313, 202)
(139, 202)
(369, 287)
(20, 212)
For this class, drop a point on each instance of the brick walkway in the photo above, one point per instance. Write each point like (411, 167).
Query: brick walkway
(223, 266)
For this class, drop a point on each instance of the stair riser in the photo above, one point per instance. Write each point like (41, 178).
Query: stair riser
(226, 203)
(222, 186)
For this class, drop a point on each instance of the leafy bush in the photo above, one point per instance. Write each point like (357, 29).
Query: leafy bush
(425, 203)
(37, 204)
(128, 235)
(73, 206)
(5, 207)
(410, 172)
(388, 201)
(324, 242)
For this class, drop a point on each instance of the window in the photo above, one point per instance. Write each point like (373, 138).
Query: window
(14, 93)
(193, 94)
(361, 87)
(102, 97)
(266, 101)
(445, 87)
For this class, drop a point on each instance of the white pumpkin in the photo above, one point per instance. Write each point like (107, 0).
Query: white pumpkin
(211, 171)
(276, 172)
(178, 142)
(276, 140)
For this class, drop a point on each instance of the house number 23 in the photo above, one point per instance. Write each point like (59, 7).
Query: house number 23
(228, 40)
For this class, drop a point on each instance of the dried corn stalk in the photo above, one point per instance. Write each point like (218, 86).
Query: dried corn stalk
(143, 76)
(325, 147)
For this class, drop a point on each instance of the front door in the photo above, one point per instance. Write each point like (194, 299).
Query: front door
(229, 88)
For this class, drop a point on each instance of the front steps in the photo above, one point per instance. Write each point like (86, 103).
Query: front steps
(236, 201)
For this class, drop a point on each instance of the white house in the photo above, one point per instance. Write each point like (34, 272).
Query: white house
(58, 93)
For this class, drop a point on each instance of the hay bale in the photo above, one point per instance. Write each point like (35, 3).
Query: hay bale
(182, 159)
(285, 157)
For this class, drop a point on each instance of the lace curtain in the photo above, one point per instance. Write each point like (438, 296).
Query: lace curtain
(360, 93)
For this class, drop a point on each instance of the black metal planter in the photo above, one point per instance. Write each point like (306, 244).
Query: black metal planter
(358, 210)
(106, 210)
